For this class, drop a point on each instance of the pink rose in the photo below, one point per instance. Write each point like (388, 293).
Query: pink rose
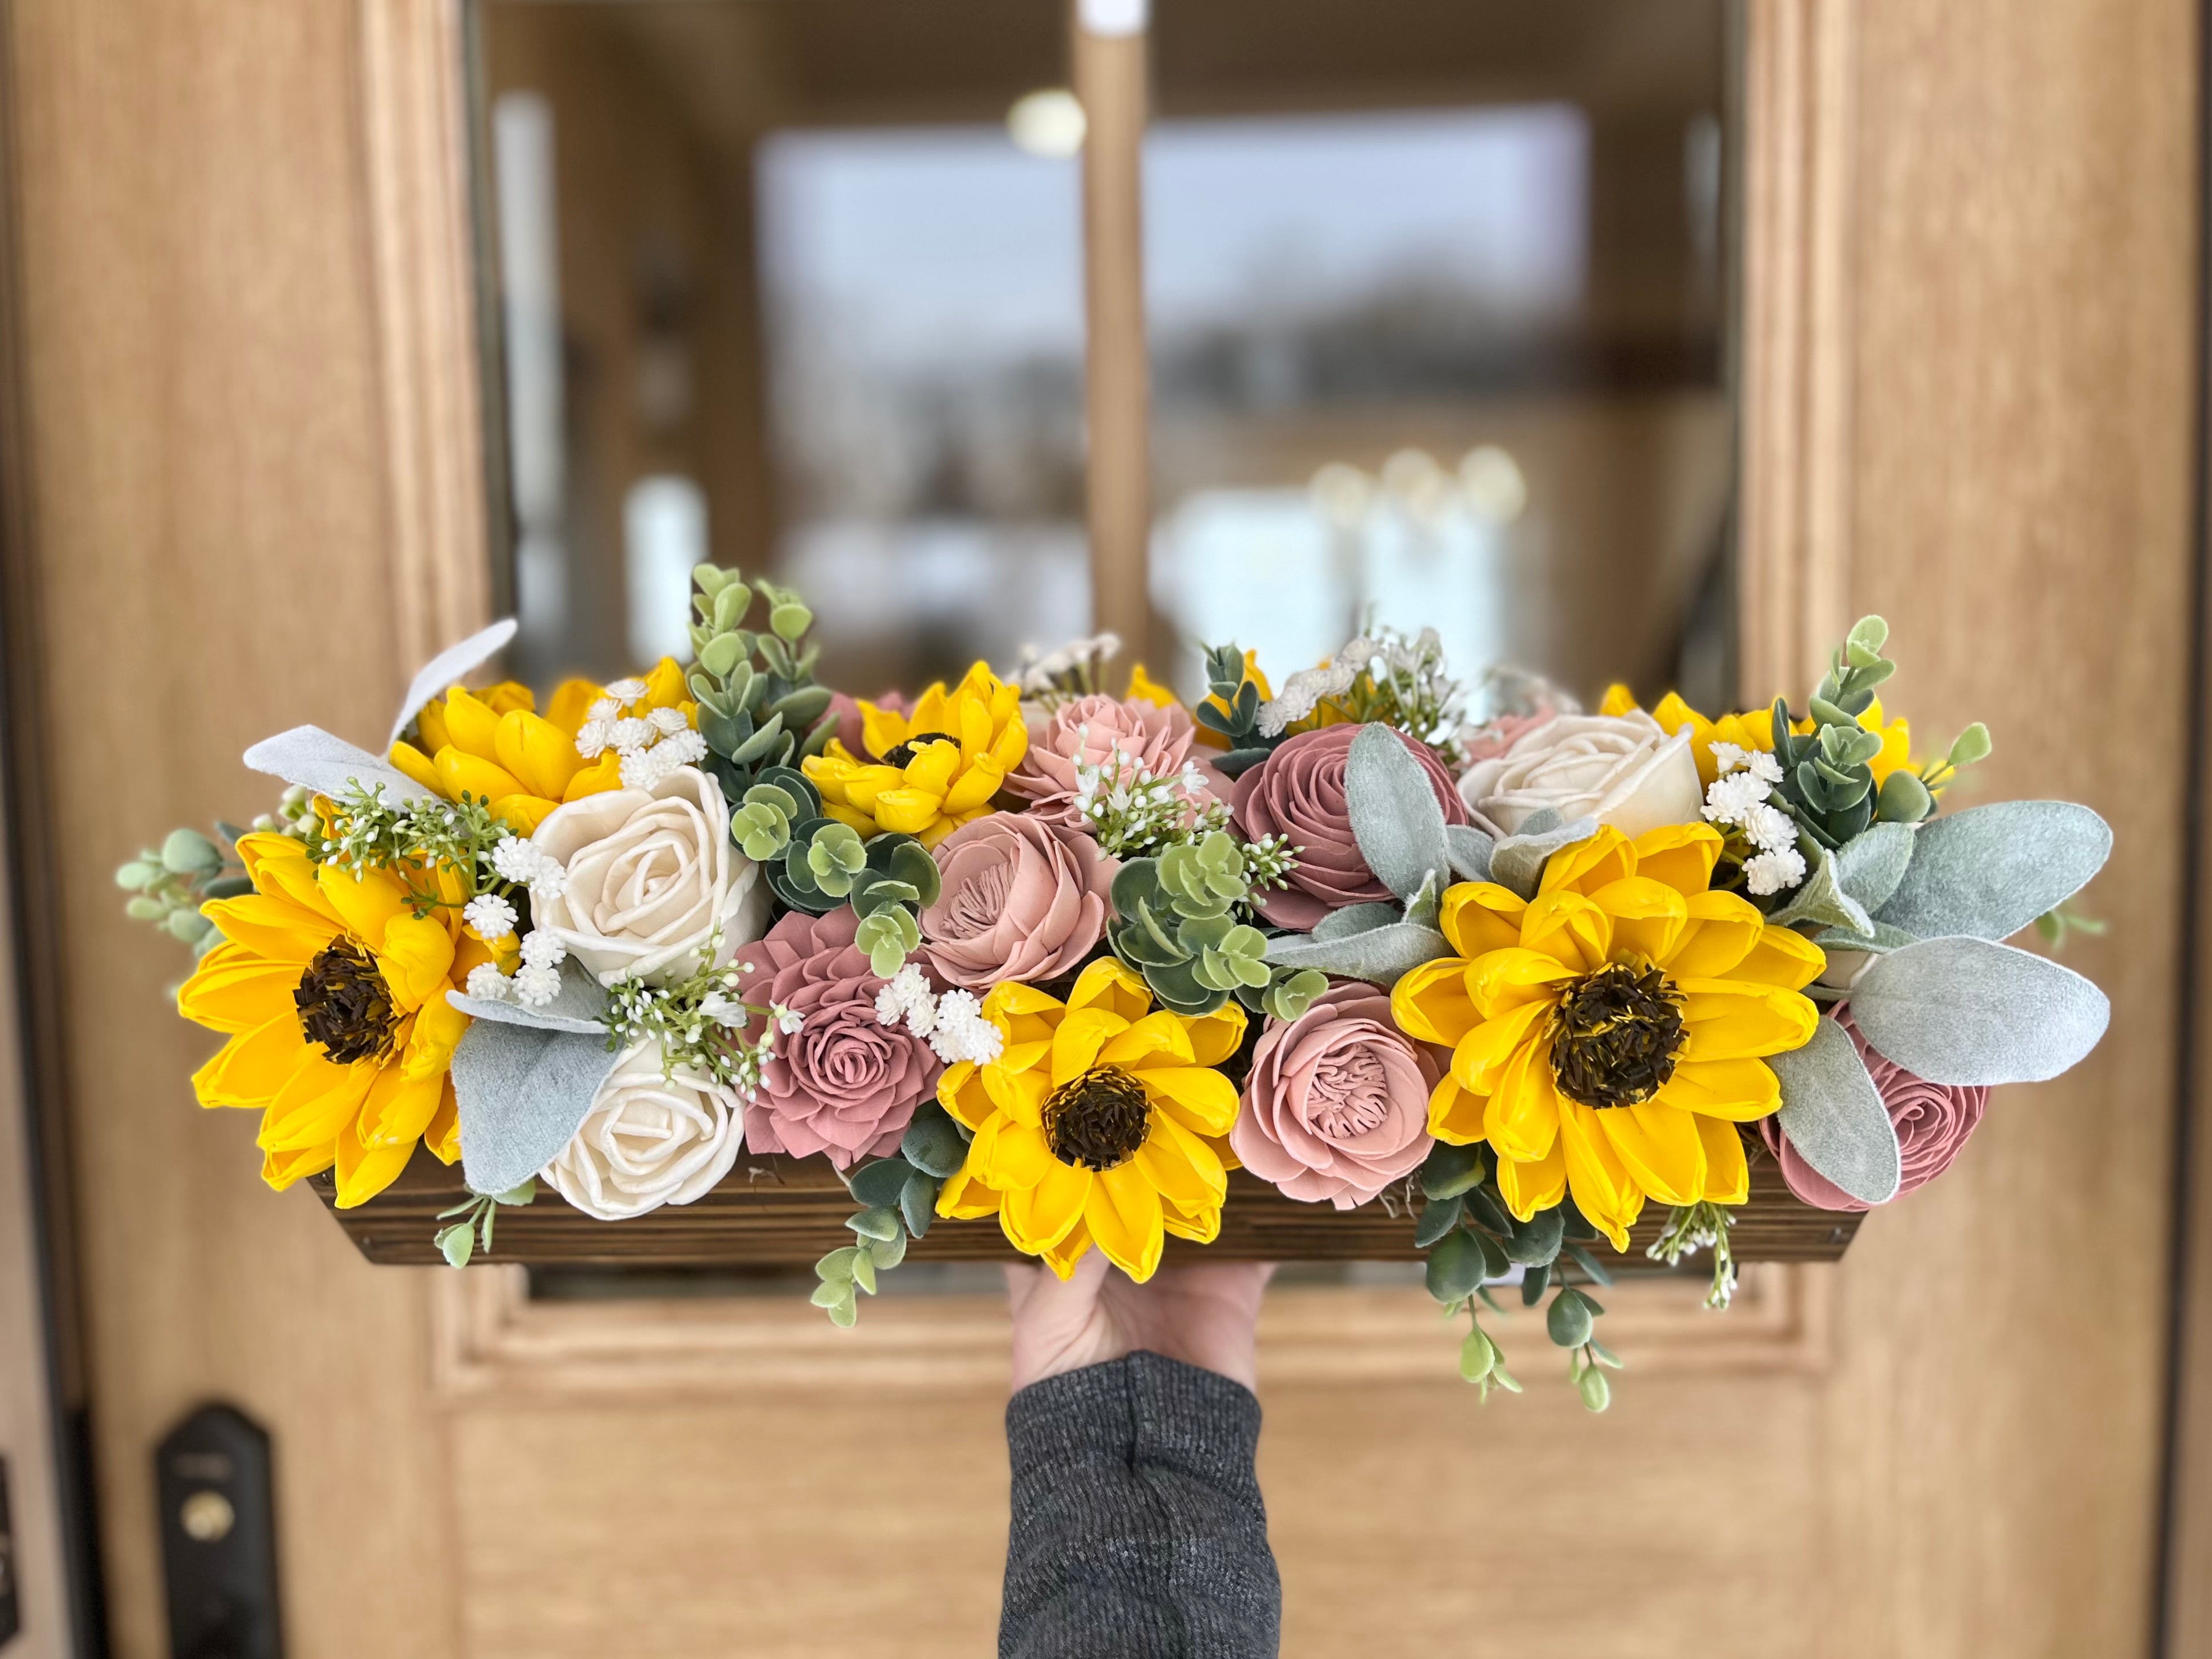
(1501, 734)
(1298, 791)
(1023, 899)
(1933, 1120)
(1337, 1103)
(1086, 732)
(844, 1083)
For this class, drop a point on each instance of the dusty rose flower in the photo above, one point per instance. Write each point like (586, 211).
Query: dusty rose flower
(1493, 740)
(1084, 733)
(1932, 1120)
(1023, 899)
(844, 1083)
(1298, 791)
(1337, 1103)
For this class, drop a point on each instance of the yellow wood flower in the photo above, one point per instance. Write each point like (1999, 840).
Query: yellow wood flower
(1609, 1035)
(1755, 729)
(494, 745)
(1102, 1123)
(333, 994)
(931, 771)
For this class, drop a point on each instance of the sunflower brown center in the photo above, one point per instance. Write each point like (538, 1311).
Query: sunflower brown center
(345, 1006)
(1098, 1121)
(902, 754)
(1616, 1035)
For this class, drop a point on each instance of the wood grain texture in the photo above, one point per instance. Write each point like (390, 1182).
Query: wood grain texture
(2023, 307)
(211, 522)
(783, 1211)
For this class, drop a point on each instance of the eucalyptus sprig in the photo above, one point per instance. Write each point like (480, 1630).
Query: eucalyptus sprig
(1472, 1238)
(898, 1194)
(759, 705)
(459, 1241)
(168, 886)
(1233, 710)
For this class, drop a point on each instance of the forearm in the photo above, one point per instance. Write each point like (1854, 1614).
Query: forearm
(1137, 1526)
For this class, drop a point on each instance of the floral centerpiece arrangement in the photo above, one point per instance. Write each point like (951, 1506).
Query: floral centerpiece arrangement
(1027, 950)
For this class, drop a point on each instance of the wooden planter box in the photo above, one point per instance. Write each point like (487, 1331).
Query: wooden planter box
(781, 1211)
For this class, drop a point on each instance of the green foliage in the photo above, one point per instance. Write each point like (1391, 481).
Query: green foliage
(898, 1194)
(1175, 922)
(461, 1240)
(168, 885)
(761, 820)
(1237, 715)
(1694, 1227)
(1471, 1237)
(759, 705)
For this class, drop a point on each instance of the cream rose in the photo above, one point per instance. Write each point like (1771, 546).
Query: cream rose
(648, 1140)
(653, 882)
(1621, 769)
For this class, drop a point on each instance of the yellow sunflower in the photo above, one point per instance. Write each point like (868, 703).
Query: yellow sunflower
(1755, 729)
(333, 994)
(1609, 1035)
(494, 745)
(1102, 1123)
(930, 771)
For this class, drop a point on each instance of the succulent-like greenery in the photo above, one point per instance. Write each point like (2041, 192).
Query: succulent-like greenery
(459, 1241)
(1472, 1238)
(898, 1195)
(889, 880)
(762, 818)
(1827, 781)
(168, 886)
(759, 706)
(1234, 710)
(1175, 922)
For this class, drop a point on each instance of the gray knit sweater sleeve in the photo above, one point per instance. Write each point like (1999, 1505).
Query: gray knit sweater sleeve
(1136, 1528)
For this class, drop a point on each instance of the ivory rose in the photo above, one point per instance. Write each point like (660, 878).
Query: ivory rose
(1023, 899)
(1932, 1121)
(653, 886)
(1336, 1107)
(1621, 769)
(1298, 791)
(1086, 731)
(648, 1140)
(845, 1082)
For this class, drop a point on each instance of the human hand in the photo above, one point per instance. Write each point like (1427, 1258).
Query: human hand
(1203, 1316)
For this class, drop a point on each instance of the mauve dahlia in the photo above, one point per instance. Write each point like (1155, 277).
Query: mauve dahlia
(844, 1084)
(1298, 791)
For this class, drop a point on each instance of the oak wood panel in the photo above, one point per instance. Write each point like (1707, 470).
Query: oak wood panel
(2021, 431)
(783, 1211)
(210, 518)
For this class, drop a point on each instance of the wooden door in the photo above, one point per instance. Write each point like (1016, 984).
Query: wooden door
(246, 352)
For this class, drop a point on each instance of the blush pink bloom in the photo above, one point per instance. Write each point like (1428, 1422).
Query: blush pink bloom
(1337, 1103)
(1084, 733)
(1023, 899)
(1298, 791)
(1500, 735)
(1933, 1120)
(844, 1084)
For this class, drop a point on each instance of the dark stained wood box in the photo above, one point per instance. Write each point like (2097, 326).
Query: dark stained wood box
(781, 1211)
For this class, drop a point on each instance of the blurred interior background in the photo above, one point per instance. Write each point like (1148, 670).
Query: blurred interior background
(1439, 301)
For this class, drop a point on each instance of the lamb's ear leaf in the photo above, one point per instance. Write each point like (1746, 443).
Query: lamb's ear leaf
(1968, 1010)
(1470, 851)
(1379, 956)
(1872, 862)
(315, 759)
(1424, 906)
(1884, 938)
(1834, 1117)
(448, 666)
(522, 1094)
(1395, 814)
(1516, 863)
(1820, 898)
(1355, 918)
(1989, 871)
(575, 1007)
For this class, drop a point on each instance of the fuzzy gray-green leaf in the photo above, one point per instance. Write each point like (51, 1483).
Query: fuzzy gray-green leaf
(1967, 1011)
(1834, 1117)
(1989, 871)
(1395, 814)
(1517, 861)
(1379, 956)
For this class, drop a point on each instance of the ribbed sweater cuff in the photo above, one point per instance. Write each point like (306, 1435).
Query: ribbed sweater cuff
(1142, 1409)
